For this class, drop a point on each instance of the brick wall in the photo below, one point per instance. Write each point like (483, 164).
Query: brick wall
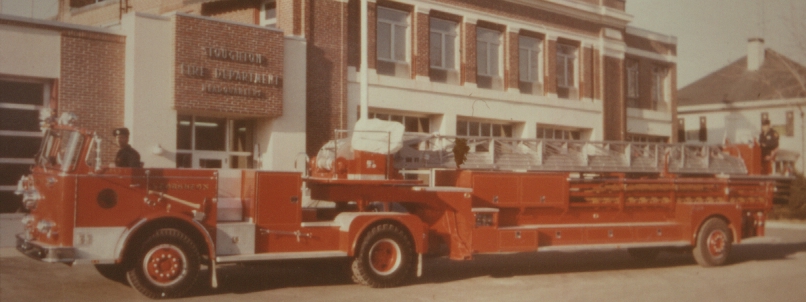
(195, 35)
(326, 108)
(92, 83)
(469, 49)
(244, 11)
(550, 80)
(421, 40)
(512, 64)
(615, 112)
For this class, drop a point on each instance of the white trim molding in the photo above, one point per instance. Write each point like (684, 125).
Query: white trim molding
(651, 55)
(651, 35)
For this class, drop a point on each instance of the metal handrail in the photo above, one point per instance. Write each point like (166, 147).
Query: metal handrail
(424, 151)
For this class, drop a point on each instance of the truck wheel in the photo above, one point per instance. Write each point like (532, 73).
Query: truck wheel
(114, 272)
(385, 258)
(644, 254)
(166, 266)
(713, 243)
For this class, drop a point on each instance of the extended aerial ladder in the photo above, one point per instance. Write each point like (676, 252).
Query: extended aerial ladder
(432, 151)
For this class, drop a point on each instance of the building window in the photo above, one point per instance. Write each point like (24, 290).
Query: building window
(268, 13)
(393, 26)
(208, 142)
(789, 128)
(482, 129)
(659, 85)
(530, 65)
(412, 123)
(488, 58)
(681, 130)
(566, 70)
(632, 83)
(546, 132)
(443, 44)
(703, 134)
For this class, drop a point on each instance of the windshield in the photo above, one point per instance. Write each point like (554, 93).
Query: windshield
(60, 149)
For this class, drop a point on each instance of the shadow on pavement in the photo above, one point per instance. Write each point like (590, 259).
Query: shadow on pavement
(274, 275)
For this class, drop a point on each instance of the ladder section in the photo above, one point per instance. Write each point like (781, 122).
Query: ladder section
(425, 151)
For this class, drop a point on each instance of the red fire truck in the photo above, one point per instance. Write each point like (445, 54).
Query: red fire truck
(385, 210)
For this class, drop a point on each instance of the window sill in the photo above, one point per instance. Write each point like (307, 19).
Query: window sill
(393, 68)
(447, 76)
(489, 82)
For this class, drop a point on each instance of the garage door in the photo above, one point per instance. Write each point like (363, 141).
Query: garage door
(20, 102)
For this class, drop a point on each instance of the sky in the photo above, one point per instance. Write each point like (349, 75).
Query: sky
(713, 33)
(710, 33)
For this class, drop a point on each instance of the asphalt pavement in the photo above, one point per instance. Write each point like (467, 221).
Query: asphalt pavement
(771, 268)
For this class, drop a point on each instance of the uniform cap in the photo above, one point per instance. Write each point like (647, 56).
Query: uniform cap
(120, 131)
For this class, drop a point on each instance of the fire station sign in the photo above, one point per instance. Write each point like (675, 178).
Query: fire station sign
(228, 68)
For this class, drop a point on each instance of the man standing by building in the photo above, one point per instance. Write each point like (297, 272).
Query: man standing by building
(768, 139)
(127, 157)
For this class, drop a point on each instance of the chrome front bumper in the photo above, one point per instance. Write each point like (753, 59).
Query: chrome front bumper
(45, 252)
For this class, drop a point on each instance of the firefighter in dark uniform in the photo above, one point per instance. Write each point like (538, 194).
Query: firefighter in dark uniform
(768, 139)
(127, 157)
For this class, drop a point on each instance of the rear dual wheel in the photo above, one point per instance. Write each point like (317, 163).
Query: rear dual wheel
(166, 266)
(386, 257)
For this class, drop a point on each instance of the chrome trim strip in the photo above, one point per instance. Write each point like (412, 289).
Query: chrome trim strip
(611, 246)
(585, 225)
(281, 256)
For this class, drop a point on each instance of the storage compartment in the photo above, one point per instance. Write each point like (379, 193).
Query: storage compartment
(495, 189)
(237, 238)
(545, 190)
(518, 240)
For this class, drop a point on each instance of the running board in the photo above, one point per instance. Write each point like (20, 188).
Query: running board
(280, 256)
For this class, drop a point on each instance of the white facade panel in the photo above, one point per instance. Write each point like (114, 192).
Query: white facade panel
(149, 90)
(30, 52)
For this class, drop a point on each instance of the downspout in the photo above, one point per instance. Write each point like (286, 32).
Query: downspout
(364, 63)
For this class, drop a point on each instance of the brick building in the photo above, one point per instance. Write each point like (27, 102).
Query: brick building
(514, 68)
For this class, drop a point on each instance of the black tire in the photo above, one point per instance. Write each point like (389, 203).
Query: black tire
(644, 254)
(174, 265)
(386, 257)
(713, 243)
(114, 272)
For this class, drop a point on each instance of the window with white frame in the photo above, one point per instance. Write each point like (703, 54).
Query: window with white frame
(482, 129)
(443, 40)
(212, 142)
(530, 65)
(529, 59)
(566, 66)
(632, 83)
(393, 26)
(659, 85)
(488, 52)
(412, 123)
(268, 13)
(549, 132)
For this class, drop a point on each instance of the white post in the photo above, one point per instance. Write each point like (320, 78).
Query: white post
(364, 68)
